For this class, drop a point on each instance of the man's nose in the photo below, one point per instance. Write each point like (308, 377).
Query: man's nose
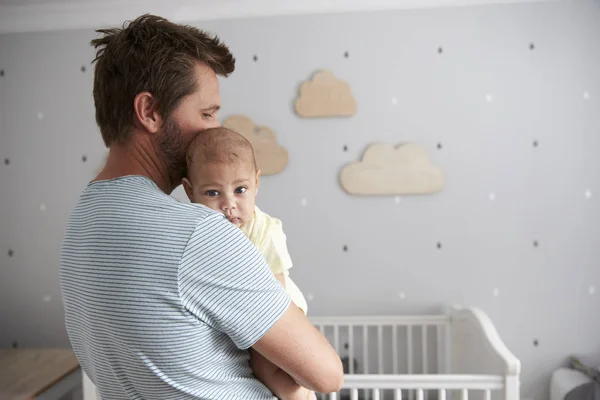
(215, 123)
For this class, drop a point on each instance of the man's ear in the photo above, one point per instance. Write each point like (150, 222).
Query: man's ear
(187, 186)
(146, 115)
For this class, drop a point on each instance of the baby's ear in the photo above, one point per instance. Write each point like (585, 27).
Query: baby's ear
(187, 186)
(257, 178)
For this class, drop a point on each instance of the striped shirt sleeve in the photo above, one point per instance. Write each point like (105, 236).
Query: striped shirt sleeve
(225, 282)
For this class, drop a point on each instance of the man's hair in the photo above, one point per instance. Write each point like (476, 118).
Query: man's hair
(149, 54)
(219, 145)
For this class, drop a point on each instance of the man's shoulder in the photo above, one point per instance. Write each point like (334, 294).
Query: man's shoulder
(139, 196)
(190, 212)
(138, 209)
(183, 219)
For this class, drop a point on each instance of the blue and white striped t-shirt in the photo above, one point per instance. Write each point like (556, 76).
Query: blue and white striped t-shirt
(163, 298)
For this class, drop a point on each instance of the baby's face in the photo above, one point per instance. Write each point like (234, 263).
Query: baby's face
(230, 188)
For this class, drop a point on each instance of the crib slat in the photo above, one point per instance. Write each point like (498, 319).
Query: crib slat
(464, 394)
(376, 394)
(366, 348)
(439, 344)
(488, 394)
(354, 394)
(420, 394)
(409, 348)
(351, 349)
(442, 395)
(380, 349)
(424, 347)
(336, 338)
(398, 394)
(411, 394)
(332, 396)
(395, 349)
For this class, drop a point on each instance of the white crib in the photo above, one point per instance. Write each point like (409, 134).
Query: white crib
(458, 355)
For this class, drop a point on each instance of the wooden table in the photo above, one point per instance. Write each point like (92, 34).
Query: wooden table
(38, 373)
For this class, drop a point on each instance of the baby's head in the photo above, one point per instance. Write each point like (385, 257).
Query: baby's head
(222, 174)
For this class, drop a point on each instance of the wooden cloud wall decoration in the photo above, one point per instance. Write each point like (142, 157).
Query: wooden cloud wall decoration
(325, 96)
(271, 158)
(388, 170)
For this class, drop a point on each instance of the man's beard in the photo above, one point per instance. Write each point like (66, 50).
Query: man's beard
(173, 148)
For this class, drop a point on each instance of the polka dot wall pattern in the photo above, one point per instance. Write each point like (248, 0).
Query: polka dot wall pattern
(491, 236)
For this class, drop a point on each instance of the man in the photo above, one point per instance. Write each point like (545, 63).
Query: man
(163, 299)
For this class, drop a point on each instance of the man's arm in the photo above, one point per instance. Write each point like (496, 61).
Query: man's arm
(298, 348)
(225, 282)
(293, 344)
(277, 380)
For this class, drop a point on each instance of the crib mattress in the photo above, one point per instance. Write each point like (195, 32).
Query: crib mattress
(564, 380)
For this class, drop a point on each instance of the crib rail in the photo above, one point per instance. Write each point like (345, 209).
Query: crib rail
(378, 387)
(382, 320)
(477, 344)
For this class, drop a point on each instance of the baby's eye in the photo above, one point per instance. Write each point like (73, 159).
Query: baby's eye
(212, 193)
(240, 190)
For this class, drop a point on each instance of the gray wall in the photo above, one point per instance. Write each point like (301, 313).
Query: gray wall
(487, 256)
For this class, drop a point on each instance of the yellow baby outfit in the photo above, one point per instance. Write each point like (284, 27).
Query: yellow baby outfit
(266, 233)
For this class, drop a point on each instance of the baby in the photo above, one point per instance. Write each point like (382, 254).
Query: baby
(222, 175)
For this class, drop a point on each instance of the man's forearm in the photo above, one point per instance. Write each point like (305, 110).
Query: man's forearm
(276, 379)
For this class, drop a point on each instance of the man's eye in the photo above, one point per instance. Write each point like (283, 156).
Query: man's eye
(207, 115)
(212, 193)
(240, 190)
